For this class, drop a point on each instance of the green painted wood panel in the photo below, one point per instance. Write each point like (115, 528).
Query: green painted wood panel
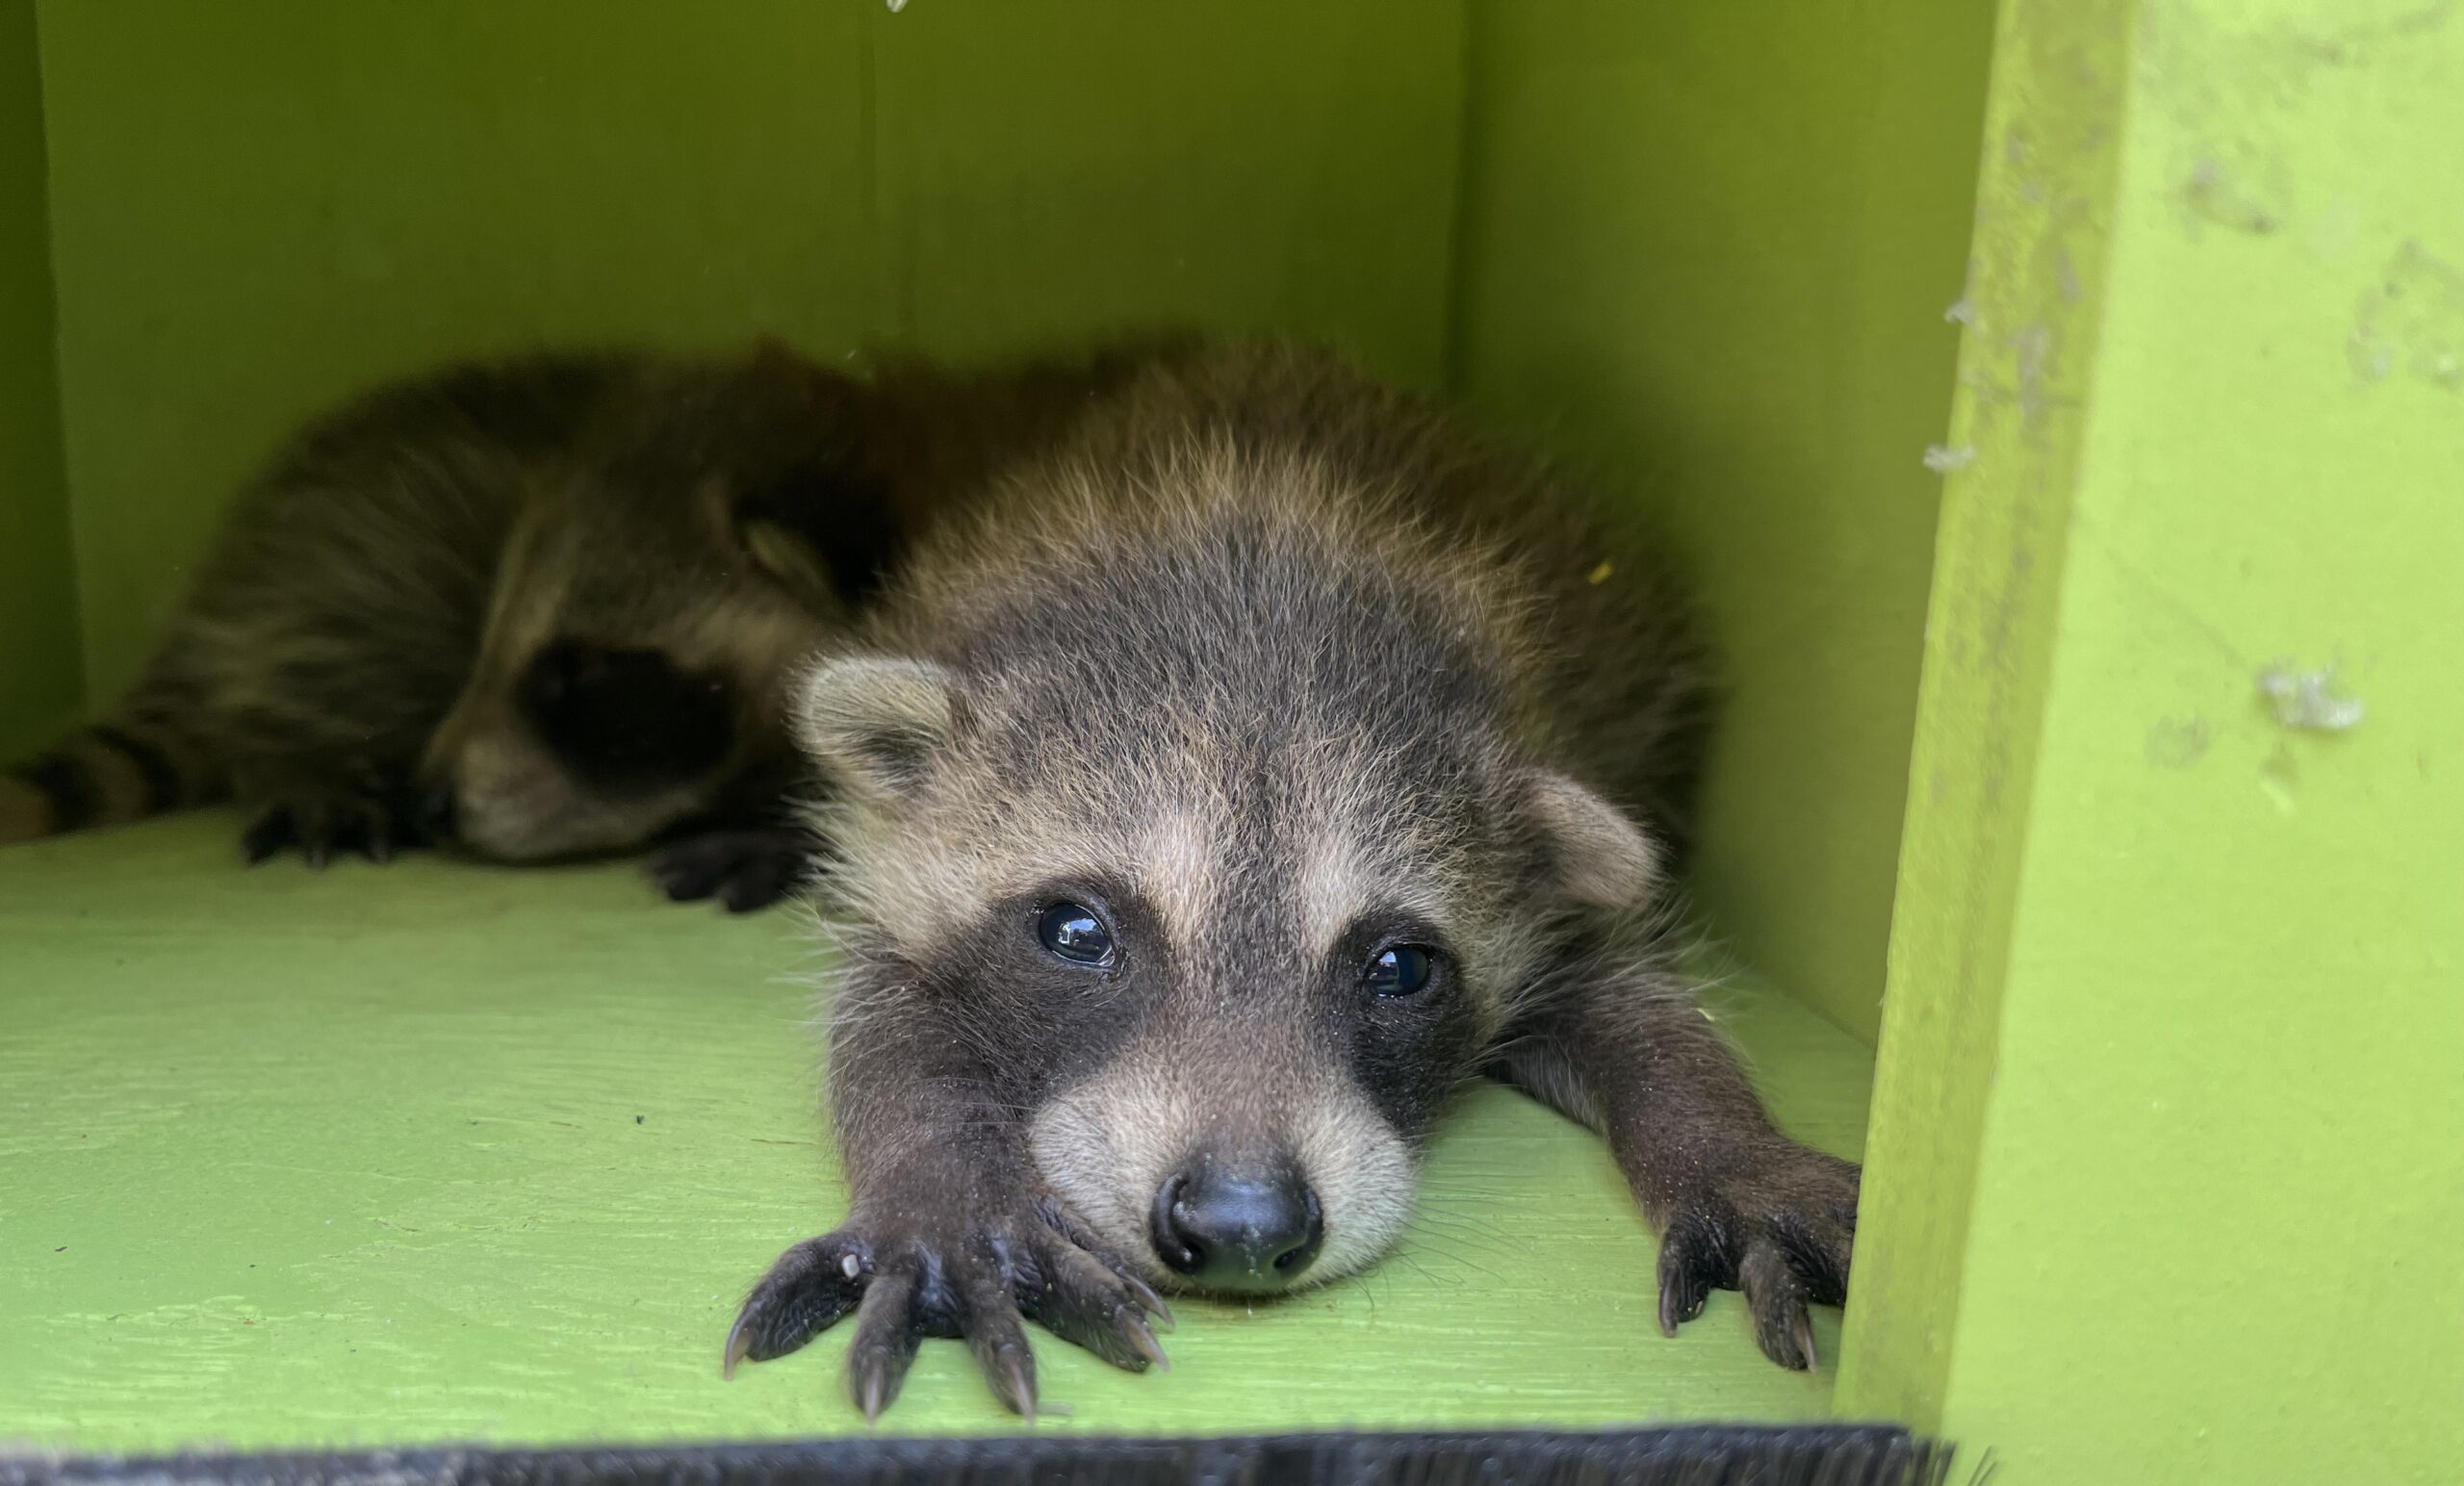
(2036, 297)
(40, 675)
(1710, 248)
(2217, 1123)
(444, 1153)
(1050, 164)
(262, 204)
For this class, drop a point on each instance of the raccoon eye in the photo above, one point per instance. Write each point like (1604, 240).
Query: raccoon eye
(1073, 932)
(1397, 970)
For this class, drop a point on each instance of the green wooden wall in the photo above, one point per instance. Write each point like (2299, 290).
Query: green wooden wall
(258, 204)
(1708, 248)
(2167, 1157)
(40, 677)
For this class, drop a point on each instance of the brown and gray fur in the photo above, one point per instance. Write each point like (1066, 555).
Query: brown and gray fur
(1268, 671)
(541, 608)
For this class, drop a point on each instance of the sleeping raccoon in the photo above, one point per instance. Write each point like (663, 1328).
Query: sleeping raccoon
(542, 608)
(1213, 796)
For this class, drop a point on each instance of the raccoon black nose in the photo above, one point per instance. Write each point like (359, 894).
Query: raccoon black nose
(1237, 1229)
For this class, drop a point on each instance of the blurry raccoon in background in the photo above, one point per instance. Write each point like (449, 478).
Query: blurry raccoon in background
(541, 608)
(1214, 796)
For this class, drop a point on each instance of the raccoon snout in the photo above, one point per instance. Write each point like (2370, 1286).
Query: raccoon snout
(1237, 1229)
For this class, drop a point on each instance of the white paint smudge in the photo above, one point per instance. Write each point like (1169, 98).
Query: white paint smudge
(2307, 700)
(1962, 310)
(1944, 458)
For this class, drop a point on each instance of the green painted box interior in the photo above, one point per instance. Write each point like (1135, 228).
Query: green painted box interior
(449, 1153)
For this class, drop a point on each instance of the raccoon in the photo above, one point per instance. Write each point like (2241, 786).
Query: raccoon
(539, 608)
(1215, 795)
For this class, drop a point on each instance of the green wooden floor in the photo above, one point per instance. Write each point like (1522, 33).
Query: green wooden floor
(438, 1153)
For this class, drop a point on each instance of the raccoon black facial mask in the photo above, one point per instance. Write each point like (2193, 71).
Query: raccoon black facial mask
(628, 719)
(1369, 785)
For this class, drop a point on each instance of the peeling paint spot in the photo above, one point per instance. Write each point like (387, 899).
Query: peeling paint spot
(2308, 700)
(2232, 198)
(2179, 742)
(2279, 778)
(1947, 458)
(1962, 310)
(2030, 352)
(2411, 319)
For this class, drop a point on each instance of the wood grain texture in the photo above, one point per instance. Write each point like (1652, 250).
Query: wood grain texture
(440, 1152)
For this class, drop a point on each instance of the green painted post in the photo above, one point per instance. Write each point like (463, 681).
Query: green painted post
(2169, 1139)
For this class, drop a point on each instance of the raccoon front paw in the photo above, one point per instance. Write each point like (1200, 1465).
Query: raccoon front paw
(1781, 1229)
(323, 823)
(967, 1278)
(743, 869)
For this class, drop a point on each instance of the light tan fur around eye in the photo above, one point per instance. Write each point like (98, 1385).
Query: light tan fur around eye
(1176, 873)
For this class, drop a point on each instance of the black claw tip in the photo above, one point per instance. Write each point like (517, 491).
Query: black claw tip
(1013, 1380)
(1141, 1341)
(1144, 1295)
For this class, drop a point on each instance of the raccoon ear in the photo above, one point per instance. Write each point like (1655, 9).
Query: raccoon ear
(874, 722)
(790, 561)
(1603, 859)
(821, 528)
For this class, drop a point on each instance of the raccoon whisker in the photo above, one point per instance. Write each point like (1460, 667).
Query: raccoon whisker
(1458, 1225)
(1403, 1257)
(1451, 1255)
(1360, 1280)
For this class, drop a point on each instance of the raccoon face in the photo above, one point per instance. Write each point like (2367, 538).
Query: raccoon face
(1231, 912)
(627, 680)
(621, 720)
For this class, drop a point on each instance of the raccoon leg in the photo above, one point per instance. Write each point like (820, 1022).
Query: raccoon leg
(950, 1234)
(1738, 1205)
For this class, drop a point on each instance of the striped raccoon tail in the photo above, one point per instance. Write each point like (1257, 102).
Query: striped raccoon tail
(102, 775)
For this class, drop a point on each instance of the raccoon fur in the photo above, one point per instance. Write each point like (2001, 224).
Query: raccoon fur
(1215, 795)
(540, 607)
(545, 608)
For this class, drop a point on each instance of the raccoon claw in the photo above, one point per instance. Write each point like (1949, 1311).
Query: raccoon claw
(743, 869)
(978, 1286)
(323, 826)
(1783, 1234)
(810, 1289)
